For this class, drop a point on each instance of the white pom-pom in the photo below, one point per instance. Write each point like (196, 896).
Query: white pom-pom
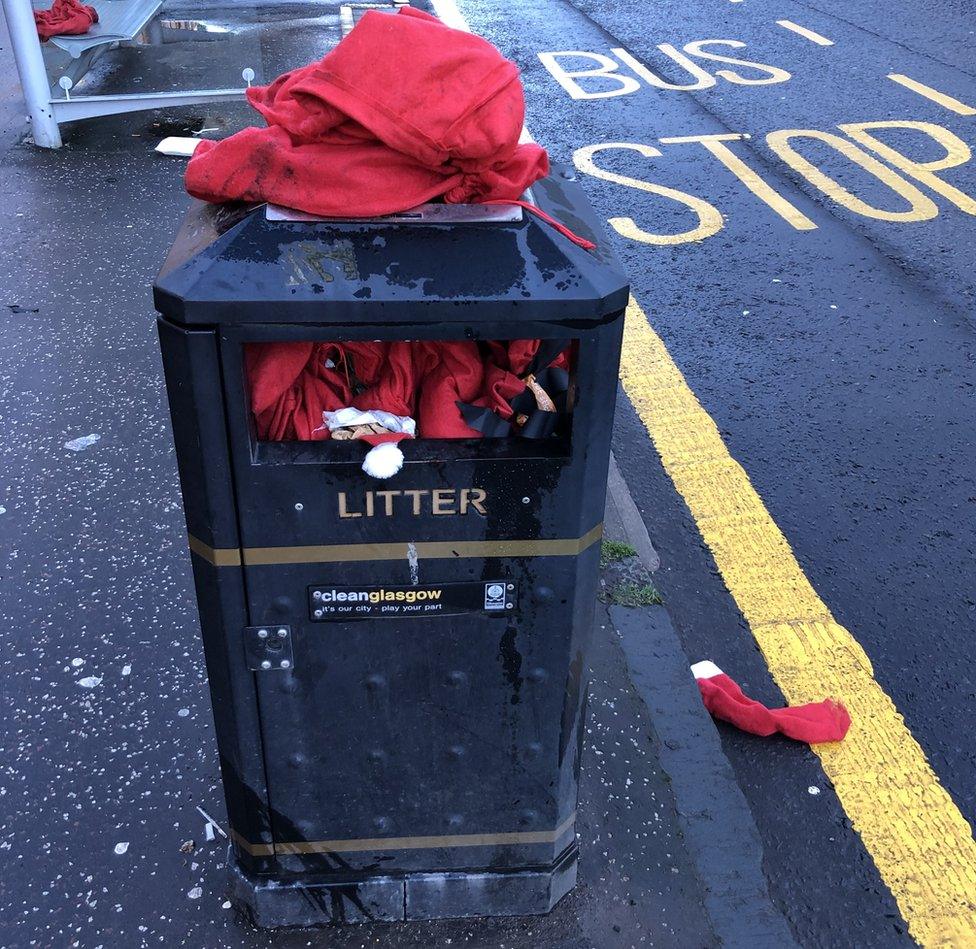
(383, 460)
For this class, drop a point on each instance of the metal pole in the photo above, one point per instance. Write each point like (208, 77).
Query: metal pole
(33, 74)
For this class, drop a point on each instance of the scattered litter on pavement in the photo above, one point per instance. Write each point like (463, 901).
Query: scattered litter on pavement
(80, 444)
(226, 904)
(183, 712)
(813, 789)
(195, 893)
(89, 682)
(122, 847)
(126, 670)
(210, 820)
(208, 831)
(188, 846)
(3, 510)
(77, 662)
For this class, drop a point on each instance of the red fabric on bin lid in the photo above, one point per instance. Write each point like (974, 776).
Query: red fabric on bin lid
(814, 722)
(359, 133)
(64, 18)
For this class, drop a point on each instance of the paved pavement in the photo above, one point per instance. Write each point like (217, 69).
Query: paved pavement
(825, 328)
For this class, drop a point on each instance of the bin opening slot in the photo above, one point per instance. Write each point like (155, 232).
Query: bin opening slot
(417, 390)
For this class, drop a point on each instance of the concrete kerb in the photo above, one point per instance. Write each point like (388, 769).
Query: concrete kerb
(718, 827)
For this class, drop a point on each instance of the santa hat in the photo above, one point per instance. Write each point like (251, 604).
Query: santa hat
(813, 723)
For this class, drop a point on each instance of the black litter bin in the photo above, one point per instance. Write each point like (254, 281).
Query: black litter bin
(398, 668)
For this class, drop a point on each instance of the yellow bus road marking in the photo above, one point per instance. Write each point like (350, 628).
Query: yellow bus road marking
(947, 102)
(920, 842)
(805, 33)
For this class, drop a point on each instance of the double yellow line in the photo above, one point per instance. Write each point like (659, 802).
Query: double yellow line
(920, 842)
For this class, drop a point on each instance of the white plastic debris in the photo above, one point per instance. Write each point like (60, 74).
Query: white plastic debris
(351, 417)
(122, 847)
(126, 670)
(383, 460)
(90, 682)
(210, 820)
(80, 444)
(195, 893)
(178, 146)
(183, 712)
(225, 905)
(813, 789)
(208, 831)
(3, 510)
(77, 662)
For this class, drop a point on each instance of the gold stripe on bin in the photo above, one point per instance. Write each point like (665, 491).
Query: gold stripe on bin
(218, 556)
(255, 850)
(368, 844)
(426, 550)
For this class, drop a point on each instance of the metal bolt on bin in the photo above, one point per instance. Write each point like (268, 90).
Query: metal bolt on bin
(380, 762)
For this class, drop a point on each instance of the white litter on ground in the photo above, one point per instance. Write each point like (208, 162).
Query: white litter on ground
(195, 893)
(126, 670)
(122, 847)
(89, 682)
(210, 820)
(813, 789)
(80, 444)
(178, 146)
(77, 662)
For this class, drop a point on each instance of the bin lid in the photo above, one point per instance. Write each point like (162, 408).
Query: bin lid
(237, 264)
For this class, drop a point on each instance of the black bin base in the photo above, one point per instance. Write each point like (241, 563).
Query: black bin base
(272, 903)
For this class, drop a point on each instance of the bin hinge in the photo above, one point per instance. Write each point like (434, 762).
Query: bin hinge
(268, 648)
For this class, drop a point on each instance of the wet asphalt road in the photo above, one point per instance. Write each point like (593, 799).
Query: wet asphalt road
(838, 364)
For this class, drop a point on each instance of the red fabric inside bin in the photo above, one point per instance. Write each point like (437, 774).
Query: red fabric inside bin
(292, 384)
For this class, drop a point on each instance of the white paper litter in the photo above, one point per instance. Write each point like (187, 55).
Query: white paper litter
(89, 682)
(813, 789)
(208, 832)
(178, 146)
(80, 444)
(350, 417)
(210, 820)
(126, 670)
(195, 893)
(77, 662)
(183, 712)
(122, 847)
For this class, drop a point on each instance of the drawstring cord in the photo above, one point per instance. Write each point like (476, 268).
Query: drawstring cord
(538, 212)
